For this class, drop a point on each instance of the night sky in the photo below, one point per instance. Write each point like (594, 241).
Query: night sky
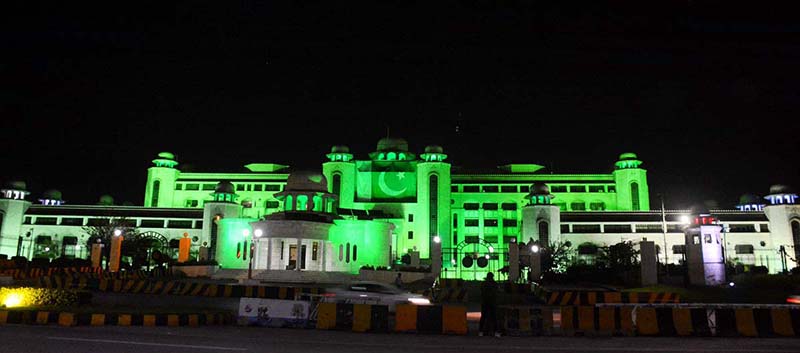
(707, 96)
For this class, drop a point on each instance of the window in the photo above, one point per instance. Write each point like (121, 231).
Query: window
(191, 203)
(410, 217)
(209, 187)
(490, 188)
(347, 253)
(471, 188)
(679, 249)
(649, 228)
(564, 228)
(179, 224)
(509, 223)
(597, 188)
(410, 234)
(508, 188)
(586, 228)
(192, 187)
(272, 187)
(239, 187)
(152, 223)
(27, 220)
(198, 224)
(490, 239)
(258, 187)
(69, 221)
(455, 220)
(178, 186)
(558, 188)
(577, 206)
(544, 233)
(156, 189)
(635, 196)
(707, 238)
(611, 188)
(524, 188)
(765, 228)
(597, 206)
(302, 203)
(341, 251)
(314, 250)
(471, 239)
(453, 188)
(696, 240)
(490, 223)
(744, 249)
(509, 240)
(272, 204)
(46, 220)
(355, 252)
(509, 206)
(796, 237)
(577, 188)
(471, 206)
(471, 222)
(489, 206)
(617, 228)
(97, 222)
(742, 228)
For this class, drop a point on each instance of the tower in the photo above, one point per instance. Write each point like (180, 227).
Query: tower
(433, 180)
(704, 250)
(540, 218)
(12, 211)
(783, 213)
(223, 205)
(340, 170)
(161, 177)
(633, 193)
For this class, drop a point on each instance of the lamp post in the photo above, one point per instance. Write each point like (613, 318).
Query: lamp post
(256, 234)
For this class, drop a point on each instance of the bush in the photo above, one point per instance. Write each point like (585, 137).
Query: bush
(27, 296)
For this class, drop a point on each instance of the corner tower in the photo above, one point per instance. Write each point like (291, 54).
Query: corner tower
(223, 205)
(633, 193)
(340, 170)
(161, 177)
(12, 212)
(541, 220)
(433, 178)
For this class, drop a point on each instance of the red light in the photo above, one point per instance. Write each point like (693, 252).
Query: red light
(793, 300)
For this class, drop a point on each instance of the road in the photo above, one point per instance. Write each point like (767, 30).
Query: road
(21, 339)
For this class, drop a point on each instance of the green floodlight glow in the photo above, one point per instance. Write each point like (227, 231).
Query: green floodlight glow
(232, 242)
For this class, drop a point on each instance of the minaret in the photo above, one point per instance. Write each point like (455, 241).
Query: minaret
(222, 205)
(633, 193)
(704, 256)
(161, 178)
(541, 220)
(12, 212)
(433, 194)
(340, 169)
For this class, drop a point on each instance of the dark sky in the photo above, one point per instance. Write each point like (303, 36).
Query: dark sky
(706, 95)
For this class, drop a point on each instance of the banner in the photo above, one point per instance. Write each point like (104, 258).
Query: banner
(386, 181)
(273, 312)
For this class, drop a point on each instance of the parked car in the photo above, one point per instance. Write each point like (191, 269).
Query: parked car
(369, 292)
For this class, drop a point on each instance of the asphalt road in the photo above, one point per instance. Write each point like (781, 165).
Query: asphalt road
(20, 339)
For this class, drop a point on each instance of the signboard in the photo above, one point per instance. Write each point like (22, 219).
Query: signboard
(273, 312)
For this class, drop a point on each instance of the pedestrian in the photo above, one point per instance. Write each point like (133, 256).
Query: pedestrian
(488, 323)
(398, 281)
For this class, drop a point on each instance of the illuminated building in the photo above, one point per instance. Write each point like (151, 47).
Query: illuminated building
(392, 203)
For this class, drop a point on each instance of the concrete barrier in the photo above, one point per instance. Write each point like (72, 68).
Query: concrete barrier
(446, 319)
(353, 317)
(35, 317)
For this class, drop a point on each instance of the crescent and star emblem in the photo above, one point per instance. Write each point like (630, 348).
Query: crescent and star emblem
(388, 190)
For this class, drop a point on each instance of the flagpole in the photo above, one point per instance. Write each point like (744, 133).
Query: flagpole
(664, 228)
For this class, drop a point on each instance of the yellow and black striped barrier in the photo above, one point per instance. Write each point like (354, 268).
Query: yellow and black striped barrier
(446, 319)
(353, 317)
(527, 320)
(596, 321)
(34, 317)
(561, 298)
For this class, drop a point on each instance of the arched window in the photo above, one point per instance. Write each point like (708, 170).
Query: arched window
(302, 203)
(433, 205)
(287, 204)
(796, 237)
(341, 252)
(154, 196)
(318, 207)
(635, 196)
(347, 253)
(544, 233)
(355, 253)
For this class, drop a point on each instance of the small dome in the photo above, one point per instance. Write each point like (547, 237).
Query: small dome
(106, 200)
(434, 149)
(52, 194)
(17, 185)
(628, 156)
(225, 187)
(166, 155)
(540, 189)
(307, 181)
(340, 149)
(392, 144)
(749, 199)
(780, 189)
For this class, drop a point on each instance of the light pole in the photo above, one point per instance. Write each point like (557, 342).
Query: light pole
(256, 234)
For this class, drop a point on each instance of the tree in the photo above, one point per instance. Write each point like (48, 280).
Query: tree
(103, 229)
(620, 256)
(555, 258)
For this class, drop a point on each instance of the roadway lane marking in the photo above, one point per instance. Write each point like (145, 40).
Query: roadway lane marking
(148, 344)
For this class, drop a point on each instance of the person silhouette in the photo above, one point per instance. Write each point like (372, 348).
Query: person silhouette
(488, 323)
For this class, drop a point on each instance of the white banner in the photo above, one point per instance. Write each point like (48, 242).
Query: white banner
(273, 312)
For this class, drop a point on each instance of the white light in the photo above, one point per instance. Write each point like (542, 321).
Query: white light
(685, 219)
(47, 249)
(491, 249)
(117, 232)
(535, 248)
(487, 256)
(453, 261)
(437, 239)
(258, 233)
(246, 232)
(731, 284)
(419, 301)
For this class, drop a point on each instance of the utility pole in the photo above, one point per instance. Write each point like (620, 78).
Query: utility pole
(664, 228)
